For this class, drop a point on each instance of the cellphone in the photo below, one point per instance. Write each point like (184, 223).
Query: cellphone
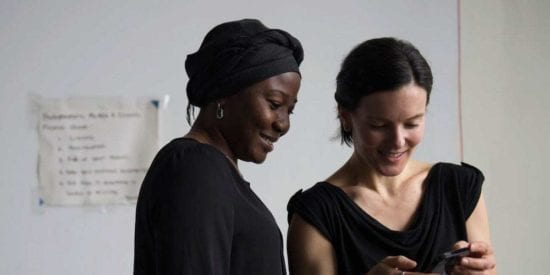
(445, 262)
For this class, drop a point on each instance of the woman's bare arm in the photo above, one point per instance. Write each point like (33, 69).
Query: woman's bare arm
(481, 259)
(309, 252)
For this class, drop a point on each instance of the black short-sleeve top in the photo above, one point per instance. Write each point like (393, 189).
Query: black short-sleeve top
(360, 241)
(196, 215)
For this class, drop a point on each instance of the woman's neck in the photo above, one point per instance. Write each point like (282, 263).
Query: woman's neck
(358, 173)
(212, 137)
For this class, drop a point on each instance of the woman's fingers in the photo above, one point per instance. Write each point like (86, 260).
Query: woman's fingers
(460, 244)
(479, 261)
(399, 262)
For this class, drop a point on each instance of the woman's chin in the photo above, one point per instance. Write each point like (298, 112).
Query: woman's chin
(257, 158)
(391, 170)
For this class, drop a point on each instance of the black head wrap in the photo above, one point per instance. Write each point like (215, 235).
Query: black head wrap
(237, 54)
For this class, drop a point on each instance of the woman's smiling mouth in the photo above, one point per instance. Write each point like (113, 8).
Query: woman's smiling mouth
(392, 156)
(268, 140)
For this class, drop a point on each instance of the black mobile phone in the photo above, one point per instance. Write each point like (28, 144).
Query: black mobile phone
(445, 262)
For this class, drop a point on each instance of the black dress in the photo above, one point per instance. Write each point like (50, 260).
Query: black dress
(360, 241)
(196, 215)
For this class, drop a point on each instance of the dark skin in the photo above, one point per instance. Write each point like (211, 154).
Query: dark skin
(254, 119)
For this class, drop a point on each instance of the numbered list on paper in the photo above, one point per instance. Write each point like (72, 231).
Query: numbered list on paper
(95, 152)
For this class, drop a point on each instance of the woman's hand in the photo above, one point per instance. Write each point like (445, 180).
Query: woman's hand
(481, 259)
(394, 265)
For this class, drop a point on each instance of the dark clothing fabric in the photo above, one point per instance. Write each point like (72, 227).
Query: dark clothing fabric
(360, 241)
(237, 54)
(196, 215)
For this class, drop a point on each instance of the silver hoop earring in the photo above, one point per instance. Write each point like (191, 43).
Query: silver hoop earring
(219, 111)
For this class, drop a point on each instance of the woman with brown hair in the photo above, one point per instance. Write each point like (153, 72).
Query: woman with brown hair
(383, 212)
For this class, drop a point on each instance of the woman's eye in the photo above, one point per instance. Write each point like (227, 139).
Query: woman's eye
(411, 126)
(377, 126)
(274, 105)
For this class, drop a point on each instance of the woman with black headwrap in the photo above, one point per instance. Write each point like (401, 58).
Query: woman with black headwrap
(196, 214)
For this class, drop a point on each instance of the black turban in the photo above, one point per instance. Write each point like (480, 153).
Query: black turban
(237, 54)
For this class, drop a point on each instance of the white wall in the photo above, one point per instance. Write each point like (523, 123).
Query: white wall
(506, 121)
(62, 48)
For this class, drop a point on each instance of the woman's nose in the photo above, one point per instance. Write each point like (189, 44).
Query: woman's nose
(282, 124)
(397, 137)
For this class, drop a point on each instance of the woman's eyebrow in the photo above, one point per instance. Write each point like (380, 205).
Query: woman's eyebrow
(283, 94)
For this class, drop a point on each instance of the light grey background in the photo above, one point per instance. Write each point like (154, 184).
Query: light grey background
(506, 121)
(138, 48)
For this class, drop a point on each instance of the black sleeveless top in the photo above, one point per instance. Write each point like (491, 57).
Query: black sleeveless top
(360, 241)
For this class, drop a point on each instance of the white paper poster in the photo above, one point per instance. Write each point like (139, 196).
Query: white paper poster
(95, 151)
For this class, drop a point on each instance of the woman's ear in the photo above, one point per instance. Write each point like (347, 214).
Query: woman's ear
(221, 101)
(345, 119)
